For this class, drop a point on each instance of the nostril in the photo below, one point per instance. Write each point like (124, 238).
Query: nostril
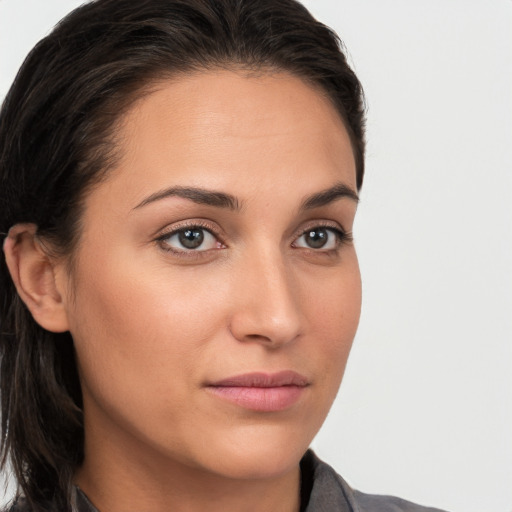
(258, 338)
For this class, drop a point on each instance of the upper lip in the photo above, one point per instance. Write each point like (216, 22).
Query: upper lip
(263, 380)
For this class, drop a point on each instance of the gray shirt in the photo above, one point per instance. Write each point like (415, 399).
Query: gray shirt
(330, 493)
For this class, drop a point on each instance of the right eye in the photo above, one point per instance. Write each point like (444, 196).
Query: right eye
(189, 239)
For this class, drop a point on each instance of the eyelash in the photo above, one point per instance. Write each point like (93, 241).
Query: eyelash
(342, 237)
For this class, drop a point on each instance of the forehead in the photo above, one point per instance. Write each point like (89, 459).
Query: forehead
(226, 129)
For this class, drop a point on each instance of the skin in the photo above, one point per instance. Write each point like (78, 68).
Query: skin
(153, 322)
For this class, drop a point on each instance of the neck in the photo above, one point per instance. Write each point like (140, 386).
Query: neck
(123, 475)
(186, 490)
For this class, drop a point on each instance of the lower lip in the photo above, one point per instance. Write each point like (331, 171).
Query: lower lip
(260, 399)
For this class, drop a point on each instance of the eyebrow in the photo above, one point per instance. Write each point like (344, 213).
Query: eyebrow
(324, 197)
(197, 195)
(223, 200)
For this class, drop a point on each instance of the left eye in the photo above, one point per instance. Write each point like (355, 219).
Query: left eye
(318, 238)
(190, 239)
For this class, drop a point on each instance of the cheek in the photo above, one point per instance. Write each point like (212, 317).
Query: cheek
(135, 326)
(334, 312)
(334, 302)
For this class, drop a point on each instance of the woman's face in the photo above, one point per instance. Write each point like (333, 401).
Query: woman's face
(215, 257)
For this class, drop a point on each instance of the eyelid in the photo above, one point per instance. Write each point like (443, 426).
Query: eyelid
(319, 223)
(191, 223)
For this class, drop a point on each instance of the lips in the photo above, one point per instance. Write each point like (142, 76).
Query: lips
(261, 391)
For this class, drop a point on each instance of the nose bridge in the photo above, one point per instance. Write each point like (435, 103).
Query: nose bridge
(268, 307)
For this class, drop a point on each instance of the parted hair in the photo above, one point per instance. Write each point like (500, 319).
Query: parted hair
(57, 139)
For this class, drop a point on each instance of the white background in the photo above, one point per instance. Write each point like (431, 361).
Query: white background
(425, 411)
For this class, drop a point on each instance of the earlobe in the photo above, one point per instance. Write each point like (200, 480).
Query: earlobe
(32, 271)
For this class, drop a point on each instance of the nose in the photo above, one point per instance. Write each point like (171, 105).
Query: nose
(266, 303)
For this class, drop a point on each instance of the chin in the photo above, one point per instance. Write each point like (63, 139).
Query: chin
(257, 456)
(260, 464)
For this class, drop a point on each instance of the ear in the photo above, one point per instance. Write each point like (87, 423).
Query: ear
(33, 273)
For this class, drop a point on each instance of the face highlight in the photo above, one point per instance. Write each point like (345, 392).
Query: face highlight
(217, 290)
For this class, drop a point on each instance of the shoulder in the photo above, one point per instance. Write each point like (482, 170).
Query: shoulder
(331, 493)
(375, 502)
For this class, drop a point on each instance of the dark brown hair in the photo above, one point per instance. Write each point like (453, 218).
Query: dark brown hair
(57, 125)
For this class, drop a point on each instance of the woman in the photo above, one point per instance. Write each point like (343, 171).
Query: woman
(181, 290)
